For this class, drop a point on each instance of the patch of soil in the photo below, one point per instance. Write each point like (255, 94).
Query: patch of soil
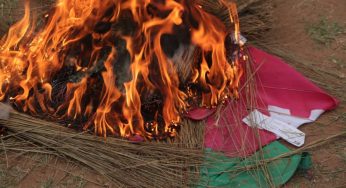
(324, 64)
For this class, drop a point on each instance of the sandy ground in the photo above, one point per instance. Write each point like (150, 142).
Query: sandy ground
(298, 28)
(298, 32)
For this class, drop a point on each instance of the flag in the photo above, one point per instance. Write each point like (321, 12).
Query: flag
(233, 147)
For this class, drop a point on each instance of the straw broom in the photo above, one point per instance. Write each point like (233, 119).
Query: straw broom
(255, 15)
(151, 164)
(122, 162)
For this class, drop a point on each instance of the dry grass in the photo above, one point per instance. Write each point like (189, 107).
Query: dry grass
(120, 161)
(256, 19)
(255, 15)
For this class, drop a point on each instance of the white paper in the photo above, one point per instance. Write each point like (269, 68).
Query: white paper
(285, 116)
(276, 126)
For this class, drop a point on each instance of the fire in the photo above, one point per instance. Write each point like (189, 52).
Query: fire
(105, 64)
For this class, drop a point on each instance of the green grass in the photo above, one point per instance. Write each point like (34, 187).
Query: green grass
(325, 31)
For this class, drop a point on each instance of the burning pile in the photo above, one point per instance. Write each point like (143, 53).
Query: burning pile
(123, 67)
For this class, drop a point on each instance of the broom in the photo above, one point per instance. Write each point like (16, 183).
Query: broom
(122, 162)
(254, 15)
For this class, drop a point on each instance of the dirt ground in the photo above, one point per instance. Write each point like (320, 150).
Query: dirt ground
(314, 33)
(312, 36)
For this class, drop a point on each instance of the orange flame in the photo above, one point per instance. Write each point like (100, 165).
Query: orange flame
(67, 69)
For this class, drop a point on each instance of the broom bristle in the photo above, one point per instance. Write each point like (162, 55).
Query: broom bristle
(135, 164)
(255, 15)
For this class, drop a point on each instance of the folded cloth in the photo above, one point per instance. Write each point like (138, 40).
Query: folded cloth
(258, 170)
(282, 93)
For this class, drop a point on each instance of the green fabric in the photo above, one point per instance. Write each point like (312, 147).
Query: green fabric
(306, 162)
(222, 171)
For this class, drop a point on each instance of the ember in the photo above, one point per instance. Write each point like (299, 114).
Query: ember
(122, 67)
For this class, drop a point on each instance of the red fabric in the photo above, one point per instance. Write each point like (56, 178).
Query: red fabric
(278, 84)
